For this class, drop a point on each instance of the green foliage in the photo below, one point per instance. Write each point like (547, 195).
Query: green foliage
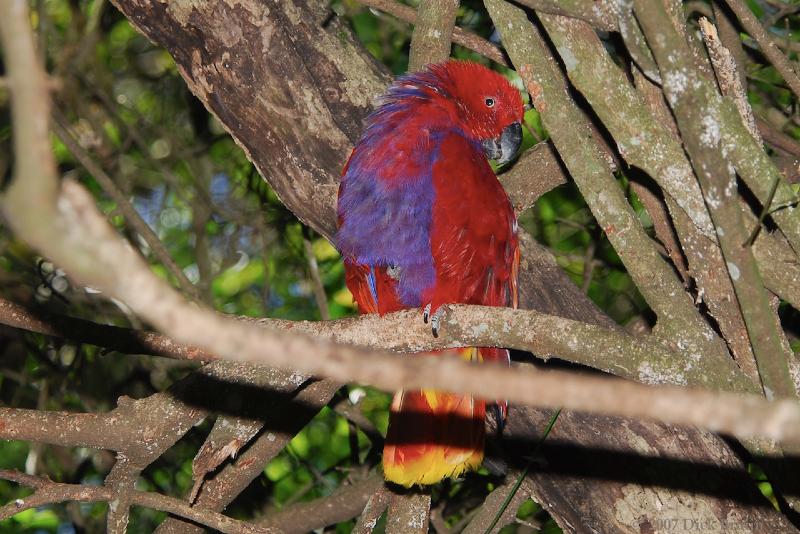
(229, 233)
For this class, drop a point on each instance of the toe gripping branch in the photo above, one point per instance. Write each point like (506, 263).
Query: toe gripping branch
(435, 319)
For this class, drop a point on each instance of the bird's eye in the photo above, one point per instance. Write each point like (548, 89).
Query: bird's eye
(489, 102)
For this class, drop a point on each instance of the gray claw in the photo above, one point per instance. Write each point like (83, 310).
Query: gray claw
(426, 313)
(436, 319)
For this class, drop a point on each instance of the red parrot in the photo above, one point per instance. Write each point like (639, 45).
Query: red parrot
(423, 222)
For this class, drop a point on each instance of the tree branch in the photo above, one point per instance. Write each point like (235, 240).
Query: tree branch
(48, 492)
(728, 79)
(767, 44)
(696, 105)
(643, 359)
(373, 510)
(89, 249)
(430, 41)
(138, 224)
(599, 13)
(290, 417)
(706, 264)
(345, 503)
(460, 36)
(678, 319)
(409, 512)
(124, 340)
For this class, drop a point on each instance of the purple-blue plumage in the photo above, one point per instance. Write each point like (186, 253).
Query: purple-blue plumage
(388, 224)
(387, 192)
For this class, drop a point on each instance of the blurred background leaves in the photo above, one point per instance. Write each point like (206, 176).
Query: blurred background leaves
(125, 103)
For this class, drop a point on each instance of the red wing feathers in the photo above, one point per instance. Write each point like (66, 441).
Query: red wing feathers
(473, 234)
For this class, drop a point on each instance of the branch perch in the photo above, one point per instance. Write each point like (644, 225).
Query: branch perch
(643, 359)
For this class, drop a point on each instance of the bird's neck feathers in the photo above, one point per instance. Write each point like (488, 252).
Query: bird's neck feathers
(414, 102)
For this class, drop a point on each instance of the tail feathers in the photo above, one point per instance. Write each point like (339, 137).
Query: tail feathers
(433, 435)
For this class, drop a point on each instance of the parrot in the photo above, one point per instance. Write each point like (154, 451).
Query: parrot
(423, 222)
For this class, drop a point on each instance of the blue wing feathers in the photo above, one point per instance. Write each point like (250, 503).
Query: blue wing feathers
(387, 193)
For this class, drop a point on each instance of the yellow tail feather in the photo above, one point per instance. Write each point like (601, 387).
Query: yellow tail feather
(433, 435)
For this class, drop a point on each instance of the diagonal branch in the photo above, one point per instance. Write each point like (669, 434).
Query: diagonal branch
(91, 250)
(345, 503)
(757, 31)
(643, 358)
(291, 417)
(679, 321)
(124, 205)
(697, 109)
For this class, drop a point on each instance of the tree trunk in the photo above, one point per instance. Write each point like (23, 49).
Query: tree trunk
(292, 86)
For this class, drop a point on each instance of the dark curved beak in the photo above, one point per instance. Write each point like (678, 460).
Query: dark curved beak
(504, 148)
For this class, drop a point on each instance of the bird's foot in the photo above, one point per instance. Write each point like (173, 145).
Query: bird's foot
(435, 318)
(499, 411)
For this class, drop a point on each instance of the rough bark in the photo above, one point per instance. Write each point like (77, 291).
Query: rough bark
(655, 478)
(250, 63)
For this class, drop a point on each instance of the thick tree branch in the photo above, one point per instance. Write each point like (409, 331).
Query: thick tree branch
(642, 141)
(703, 254)
(495, 503)
(89, 249)
(643, 359)
(535, 173)
(373, 510)
(648, 144)
(290, 417)
(741, 416)
(409, 512)
(433, 32)
(217, 97)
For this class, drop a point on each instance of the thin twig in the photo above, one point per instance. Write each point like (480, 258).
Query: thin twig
(765, 210)
(61, 129)
(316, 280)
